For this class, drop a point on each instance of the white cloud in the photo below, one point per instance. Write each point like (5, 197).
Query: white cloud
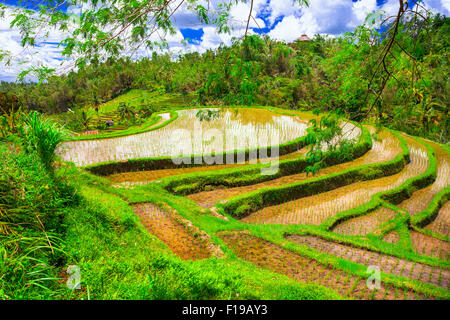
(290, 28)
(46, 53)
(286, 19)
(363, 7)
(438, 6)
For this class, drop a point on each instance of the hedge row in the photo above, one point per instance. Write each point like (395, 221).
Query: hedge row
(251, 174)
(166, 162)
(245, 204)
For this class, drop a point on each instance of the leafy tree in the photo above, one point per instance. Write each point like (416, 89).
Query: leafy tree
(83, 117)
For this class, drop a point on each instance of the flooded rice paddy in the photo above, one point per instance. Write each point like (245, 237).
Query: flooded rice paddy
(420, 199)
(441, 224)
(316, 209)
(367, 223)
(143, 177)
(437, 276)
(384, 149)
(235, 129)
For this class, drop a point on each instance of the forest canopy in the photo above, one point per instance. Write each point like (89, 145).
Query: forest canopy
(406, 91)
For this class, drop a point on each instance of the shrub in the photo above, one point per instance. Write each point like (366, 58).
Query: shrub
(42, 137)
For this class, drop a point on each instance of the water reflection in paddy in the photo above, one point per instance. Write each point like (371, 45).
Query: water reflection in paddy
(249, 127)
(316, 209)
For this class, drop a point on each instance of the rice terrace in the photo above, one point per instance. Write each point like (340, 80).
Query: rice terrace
(266, 168)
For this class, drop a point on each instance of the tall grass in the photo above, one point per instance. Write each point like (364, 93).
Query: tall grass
(31, 197)
(41, 136)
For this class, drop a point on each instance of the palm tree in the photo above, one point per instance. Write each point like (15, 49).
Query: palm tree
(125, 111)
(83, 118)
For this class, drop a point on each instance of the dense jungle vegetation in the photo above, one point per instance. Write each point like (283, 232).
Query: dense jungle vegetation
(328, 74)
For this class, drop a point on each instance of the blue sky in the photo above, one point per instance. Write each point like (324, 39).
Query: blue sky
(280, 19)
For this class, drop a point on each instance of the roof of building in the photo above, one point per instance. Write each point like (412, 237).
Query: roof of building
(304, 37)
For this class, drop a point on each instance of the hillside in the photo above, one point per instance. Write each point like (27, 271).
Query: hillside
(143, 226)
(241, 167)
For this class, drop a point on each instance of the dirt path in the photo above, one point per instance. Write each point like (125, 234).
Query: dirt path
(441, 224)
(316, 209)
(388, 264)
(383, 150)
(277, 259)
(420, 199)
(170, 229)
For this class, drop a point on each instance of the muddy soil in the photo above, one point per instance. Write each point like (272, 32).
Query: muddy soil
(277, 259)
(391, 237)
(430, 246)
(170, 230)
(436, 276)
(188, 135)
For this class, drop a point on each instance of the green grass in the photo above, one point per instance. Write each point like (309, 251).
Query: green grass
(119, 259)
(275, 234)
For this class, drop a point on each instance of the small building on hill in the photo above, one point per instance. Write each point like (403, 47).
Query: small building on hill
(295, 44)
(304, 37)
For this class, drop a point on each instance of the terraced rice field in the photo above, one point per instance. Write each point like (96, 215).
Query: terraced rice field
(414, 265)
(302, 268)
(427, 245)
(367, 223)
(142, 177)
(387, 142)
(169, 228)
(388, 264)
(441, 223)
(247, 128)
(420, 199)
(316, 209)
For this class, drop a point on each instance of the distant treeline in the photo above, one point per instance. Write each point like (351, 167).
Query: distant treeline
(324, 73)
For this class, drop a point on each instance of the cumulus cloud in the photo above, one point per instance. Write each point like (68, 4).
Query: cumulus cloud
(438, 6)
(323, 17)
(45, 53)
(285, 20)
